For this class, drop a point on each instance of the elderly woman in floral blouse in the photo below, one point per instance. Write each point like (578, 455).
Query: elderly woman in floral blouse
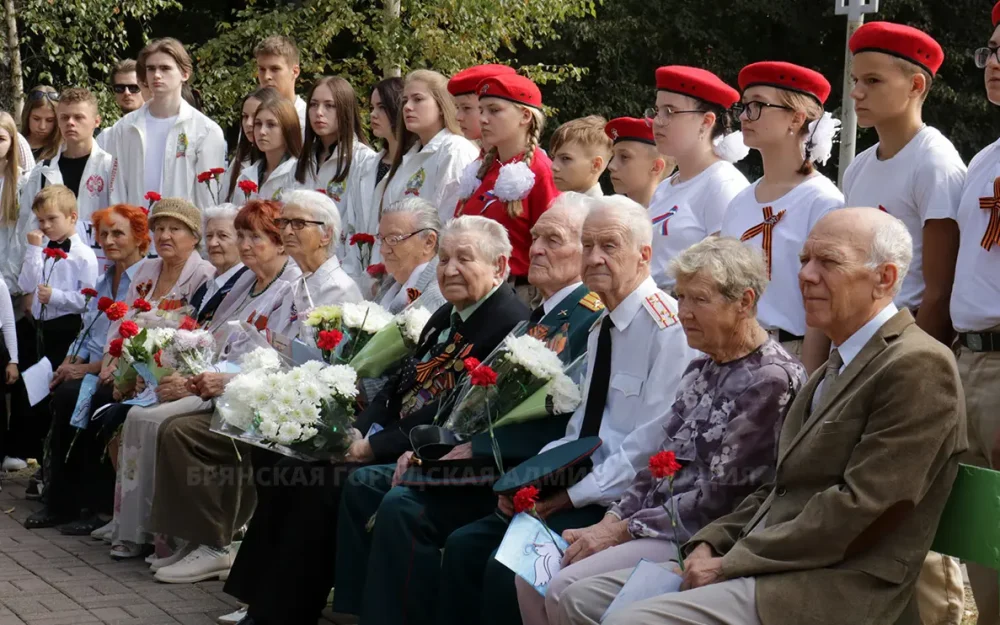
(723, 426)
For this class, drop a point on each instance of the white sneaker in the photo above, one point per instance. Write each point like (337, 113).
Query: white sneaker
(201, 564)
(233, 617)
(13, 464)
(104, 533)
(175, 557)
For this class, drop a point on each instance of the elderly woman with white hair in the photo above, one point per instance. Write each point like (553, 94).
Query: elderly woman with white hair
(722, 427)
(224, 254)
(408, 233)
(284, 570)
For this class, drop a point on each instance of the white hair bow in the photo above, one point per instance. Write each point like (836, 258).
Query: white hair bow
(822, 133)
(730, 147)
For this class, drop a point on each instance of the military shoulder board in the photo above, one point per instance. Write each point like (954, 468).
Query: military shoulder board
(661, 312)
(592, 302)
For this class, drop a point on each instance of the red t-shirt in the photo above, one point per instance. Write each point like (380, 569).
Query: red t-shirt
(484, 203)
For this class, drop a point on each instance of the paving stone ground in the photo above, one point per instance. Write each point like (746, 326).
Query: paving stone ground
(50, 579)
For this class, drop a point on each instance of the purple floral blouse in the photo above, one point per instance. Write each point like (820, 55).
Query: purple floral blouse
(724, 430)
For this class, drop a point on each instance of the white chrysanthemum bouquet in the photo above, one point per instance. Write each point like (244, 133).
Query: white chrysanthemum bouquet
(304, 412)
(392, 343)
(189, 352)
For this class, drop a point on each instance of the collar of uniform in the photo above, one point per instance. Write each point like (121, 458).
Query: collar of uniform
(76, 240)
(221, 280)
(549, 305)
(435, 142)
(467, 312)
(631, 305)
(850, 348)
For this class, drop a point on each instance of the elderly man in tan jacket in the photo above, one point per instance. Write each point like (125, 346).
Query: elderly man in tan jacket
(866, 460)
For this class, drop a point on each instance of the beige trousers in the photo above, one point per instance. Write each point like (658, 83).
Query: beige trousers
(727, 603)
(979, 372)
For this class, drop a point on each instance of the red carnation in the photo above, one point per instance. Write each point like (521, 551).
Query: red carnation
(376, 270)
(88, 293)
(128, 329)
(525, 499)
(55, 252)
(362, 237)
(157, 358)
(153, 196)
(481, 375)
(217, 171)
(205, 176)
(247, 186)
(104, 303)
(329, 339)
(188, 323)
(116, 311)
(115, 349)
(142, 305)
(664, 464)
(323, 191)
(471, 363)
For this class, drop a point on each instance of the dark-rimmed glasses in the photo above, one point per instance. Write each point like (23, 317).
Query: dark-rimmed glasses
(395, 239)
(296, 224)
(753, 108)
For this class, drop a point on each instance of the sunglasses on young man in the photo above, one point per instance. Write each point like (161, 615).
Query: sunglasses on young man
(120, 89)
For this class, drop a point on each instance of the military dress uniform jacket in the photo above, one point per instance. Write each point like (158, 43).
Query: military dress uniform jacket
(859, 487)
(474, 338)
(575, 315)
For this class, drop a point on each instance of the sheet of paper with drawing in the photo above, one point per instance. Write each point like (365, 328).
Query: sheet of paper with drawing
(533, 552)
(648, 580)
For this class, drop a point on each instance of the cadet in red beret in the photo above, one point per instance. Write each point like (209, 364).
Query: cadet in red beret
(913, 172)
(693, 127)
(636, 166)
(975, 304)
(513, 181)
(462, 87)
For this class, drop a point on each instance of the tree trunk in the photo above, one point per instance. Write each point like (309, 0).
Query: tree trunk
(14, 55)
(391, 9)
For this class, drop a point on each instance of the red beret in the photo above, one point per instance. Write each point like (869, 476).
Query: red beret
(901, 41)
(697, 83)
(513, 87)
(996, 14)
(466, 81)
(786, 76)
(629, 129)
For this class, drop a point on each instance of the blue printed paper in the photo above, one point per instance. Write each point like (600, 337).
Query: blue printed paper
(148, 395)
(647, 580)
(532, 551)
(81, 412)
(302, 353)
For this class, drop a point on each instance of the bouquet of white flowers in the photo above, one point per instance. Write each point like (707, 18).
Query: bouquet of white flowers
(136, 345)
(189, 352)
(392, 343)
(560, 395)
(342, 331)
(529, 359)
(305, 412)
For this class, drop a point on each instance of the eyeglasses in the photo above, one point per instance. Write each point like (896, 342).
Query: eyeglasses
(119, 89)
(753, 109)
(296, 224)
(395, 239)
(664, 114)
(37, 95)
(982, 56)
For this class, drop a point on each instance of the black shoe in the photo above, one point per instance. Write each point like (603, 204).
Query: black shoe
(44, 518)
(82, 527)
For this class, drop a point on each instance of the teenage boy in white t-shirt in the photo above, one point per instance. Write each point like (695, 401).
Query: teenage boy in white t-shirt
(165, 144)
(913, 172)
(278, 66)
(636, 167)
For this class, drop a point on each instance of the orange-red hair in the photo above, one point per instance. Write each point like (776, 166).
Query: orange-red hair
(259, 216)
(136, 217)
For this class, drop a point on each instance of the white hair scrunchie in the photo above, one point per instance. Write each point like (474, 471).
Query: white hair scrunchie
(730, 147)
(822, 133)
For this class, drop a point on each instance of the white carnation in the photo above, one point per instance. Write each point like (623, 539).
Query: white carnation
(565, 394)
(289, 432)
(468, 183)
(268, 428)
(368, 314)
(514, 182)
(533, 355)
(412, 321)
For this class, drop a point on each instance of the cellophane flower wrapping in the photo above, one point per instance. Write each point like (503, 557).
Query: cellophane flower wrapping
(560, 395)
(392, 343)
(142, 348)
(528, 359)
(304, 412)
(189, 353)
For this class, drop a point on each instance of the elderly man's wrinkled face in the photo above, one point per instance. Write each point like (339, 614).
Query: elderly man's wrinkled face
(709, 319)
(307, 240)
(556, 253)
(611, 261)
(465, 275)
(836, 285)
(415, 248)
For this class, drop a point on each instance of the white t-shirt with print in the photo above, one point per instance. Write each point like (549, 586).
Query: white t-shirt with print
(792, 216)
(157, 131)
(684, 213)
(922, 181)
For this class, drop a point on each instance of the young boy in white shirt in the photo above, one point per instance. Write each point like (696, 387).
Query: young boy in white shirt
(278, 66)
(636, 166)
(54, 273)
(580, 151)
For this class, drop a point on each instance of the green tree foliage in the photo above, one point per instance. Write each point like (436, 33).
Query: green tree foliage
(354, 39)
(77, 42)
(622, 47)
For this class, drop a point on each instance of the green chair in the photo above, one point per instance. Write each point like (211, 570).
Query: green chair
(970, 525)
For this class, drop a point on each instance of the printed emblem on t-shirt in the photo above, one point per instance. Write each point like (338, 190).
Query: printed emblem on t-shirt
(182, 145)
(415, 182)
(664, 219)
(334, 190)
(95, 184)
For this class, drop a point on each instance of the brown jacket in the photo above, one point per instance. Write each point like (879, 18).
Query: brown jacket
(859, 488)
